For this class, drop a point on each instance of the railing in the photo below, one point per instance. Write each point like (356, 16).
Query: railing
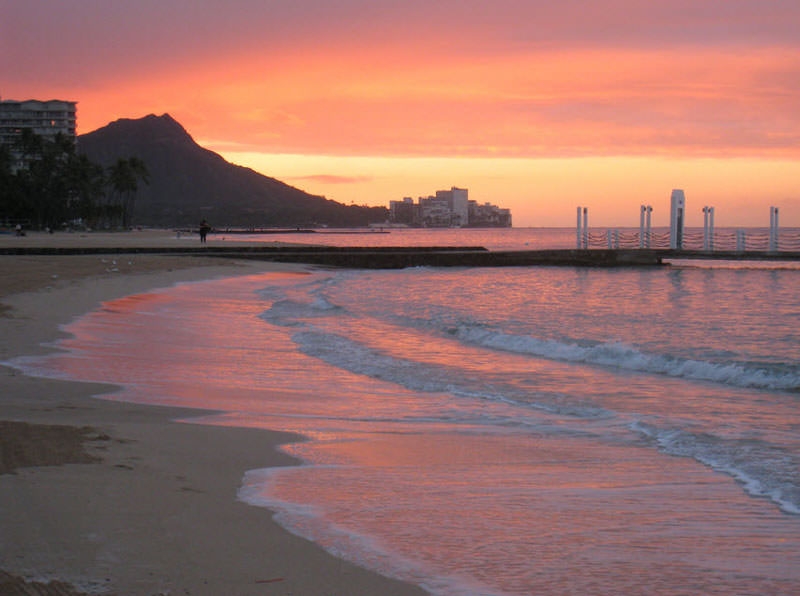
(787, 240)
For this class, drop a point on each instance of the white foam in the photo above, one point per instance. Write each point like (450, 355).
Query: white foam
(763, 470)
(626, 357)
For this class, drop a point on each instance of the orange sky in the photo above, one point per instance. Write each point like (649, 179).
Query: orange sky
(533, 105)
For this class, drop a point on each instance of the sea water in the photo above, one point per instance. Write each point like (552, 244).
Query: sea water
(505, 431)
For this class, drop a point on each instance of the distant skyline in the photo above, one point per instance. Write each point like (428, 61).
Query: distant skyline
(531, 105)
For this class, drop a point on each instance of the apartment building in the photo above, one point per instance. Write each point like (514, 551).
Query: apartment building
(448, 209)
(44, 118)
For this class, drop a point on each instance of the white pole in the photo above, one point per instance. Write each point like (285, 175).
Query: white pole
(579, 235)
(585, 228)
(676, 221)
(740, 241)
(773, 229)
(641, 227)
(649, 212)
(705, 228)
(711, 228)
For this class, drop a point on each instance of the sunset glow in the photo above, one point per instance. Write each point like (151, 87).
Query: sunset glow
(533, 106)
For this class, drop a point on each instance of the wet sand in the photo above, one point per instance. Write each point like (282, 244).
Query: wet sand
(107, 497)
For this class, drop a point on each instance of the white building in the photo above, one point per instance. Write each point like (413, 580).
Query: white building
(448, 209)
(458, 203)
(44, 118)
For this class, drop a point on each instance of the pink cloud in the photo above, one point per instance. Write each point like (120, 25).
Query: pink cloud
(511, 77)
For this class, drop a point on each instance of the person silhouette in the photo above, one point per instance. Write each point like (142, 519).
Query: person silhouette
(204, 230)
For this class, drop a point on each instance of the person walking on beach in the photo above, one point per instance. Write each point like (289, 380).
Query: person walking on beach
(204, 230)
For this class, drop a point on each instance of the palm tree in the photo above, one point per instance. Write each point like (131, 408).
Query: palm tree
(124, 178)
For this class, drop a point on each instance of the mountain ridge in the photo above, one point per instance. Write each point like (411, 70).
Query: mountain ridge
(188, 183)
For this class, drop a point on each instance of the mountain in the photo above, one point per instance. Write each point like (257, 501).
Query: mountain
(188, 183)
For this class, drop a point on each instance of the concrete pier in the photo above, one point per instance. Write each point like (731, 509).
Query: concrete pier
(381, 258)
(400, 257)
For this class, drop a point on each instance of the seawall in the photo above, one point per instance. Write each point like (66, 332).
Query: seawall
(379, 258)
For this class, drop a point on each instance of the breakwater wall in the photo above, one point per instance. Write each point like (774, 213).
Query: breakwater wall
(381, 257)
(400, 257)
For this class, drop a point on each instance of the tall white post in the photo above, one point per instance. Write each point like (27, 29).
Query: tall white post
(644, 226)
(677, 210)
(585, 228)
(773, 229)
(641, 226)
(711, 228)
(705, 228)
(579, 234)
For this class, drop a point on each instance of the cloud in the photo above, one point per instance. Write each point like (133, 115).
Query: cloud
(465, 78)
(332, 179)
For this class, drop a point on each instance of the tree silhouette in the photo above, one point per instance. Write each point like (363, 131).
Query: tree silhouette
(47, 183)
(123, 177)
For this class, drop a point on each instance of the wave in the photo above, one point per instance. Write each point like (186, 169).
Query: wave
(610, 354)
(626, 357)
(763, 469)
(357, 358)
(292, 313)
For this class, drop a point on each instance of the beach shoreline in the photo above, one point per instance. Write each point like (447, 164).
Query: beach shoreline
(108, 497)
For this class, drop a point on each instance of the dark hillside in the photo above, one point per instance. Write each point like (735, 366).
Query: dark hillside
(189, 183)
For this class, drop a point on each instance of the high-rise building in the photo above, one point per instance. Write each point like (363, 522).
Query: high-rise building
(458, 203)
(448, 209)
(403, 212)
(44, 118)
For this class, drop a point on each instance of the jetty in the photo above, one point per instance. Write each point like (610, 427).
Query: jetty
(400, 257)
(644, 247)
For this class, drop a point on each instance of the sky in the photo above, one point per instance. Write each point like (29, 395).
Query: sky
(534, 105)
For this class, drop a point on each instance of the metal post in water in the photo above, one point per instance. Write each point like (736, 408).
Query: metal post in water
(711, 229)
(773, 229)
(610, 239)
(641, 226)
(579, 234)
(585, 228)
(705, 228)
(647, 226)
(676, 221)
(740, 241)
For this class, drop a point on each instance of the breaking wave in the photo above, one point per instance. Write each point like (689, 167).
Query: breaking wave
(763, 469)
(626, 357)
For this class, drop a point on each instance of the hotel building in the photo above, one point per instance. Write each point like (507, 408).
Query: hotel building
(44, 118)
(448, 209)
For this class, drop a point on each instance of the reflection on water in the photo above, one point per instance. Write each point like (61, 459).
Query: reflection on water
(505, 431)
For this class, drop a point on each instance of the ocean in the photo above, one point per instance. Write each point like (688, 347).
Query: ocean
(508, 431)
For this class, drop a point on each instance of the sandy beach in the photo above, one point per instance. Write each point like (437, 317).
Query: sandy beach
(103, 497)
